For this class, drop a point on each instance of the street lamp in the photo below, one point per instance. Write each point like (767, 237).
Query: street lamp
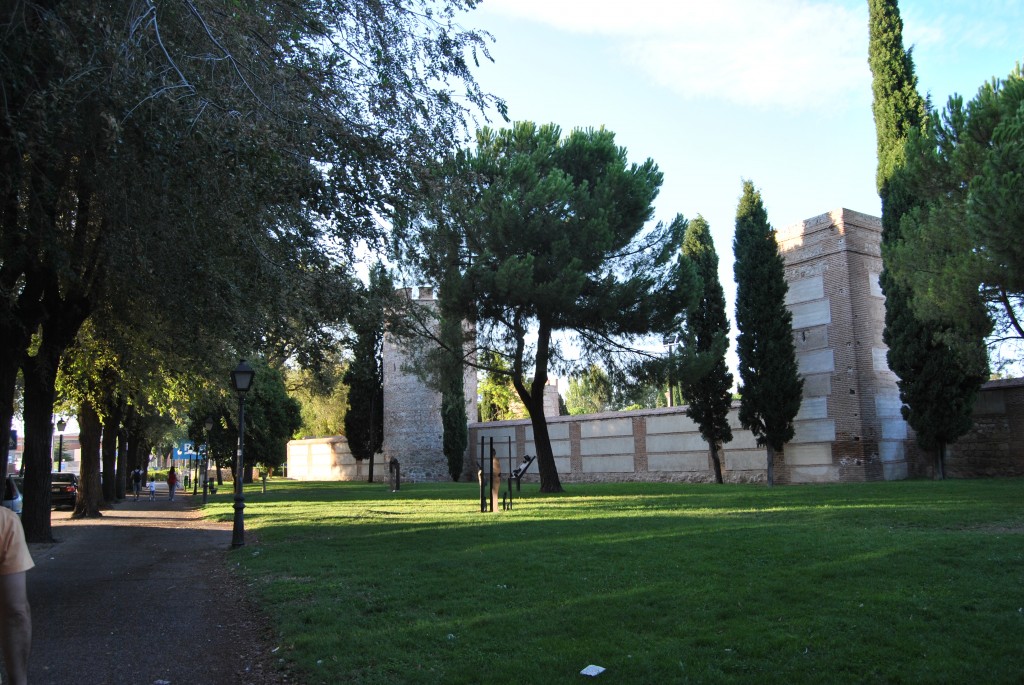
(61, 425)
(241, 380)
(206, 457)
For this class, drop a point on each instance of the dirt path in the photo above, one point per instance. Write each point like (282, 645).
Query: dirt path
(143, 596)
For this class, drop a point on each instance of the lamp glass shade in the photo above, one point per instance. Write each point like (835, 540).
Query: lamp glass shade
(241, 377)
(209, 424)
(61, 424)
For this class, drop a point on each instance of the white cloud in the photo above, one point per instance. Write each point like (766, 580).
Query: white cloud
(795, 54)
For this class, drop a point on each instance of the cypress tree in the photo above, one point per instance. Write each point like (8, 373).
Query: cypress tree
(770, 388)
(709, 398)
(938, 365)
(364, 419)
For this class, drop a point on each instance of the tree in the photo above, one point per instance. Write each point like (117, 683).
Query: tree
(323, 397)
(937, 363)
(272, 416)
(708, 398)
(590, 392)
(770, 387)
(364, 419)
(135, 140)
(499, 401)
(550, 236)
(959, 252)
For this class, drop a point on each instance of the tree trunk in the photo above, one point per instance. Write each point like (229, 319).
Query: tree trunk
(109, 447)
(40, 374)
(121, 483)
(940, 462)
(716, 462)
(534, 401)
(771, 465)
(88, 504)
(8, 382)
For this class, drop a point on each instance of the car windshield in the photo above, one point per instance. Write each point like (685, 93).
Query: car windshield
(63, 477)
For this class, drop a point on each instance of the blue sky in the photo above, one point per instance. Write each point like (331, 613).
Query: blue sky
(774, 91)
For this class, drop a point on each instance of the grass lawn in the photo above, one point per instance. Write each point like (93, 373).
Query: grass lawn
(909, 582)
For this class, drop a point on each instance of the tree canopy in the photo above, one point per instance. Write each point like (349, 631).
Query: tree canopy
(937, 362)
(959, 251)
(770, 387)
(550, 237)
(212, 170)
(708, 398)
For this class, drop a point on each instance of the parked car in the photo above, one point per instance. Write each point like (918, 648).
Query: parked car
(12, 495)
(63, 489)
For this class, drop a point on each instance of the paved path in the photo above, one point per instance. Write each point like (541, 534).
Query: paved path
(143, 596)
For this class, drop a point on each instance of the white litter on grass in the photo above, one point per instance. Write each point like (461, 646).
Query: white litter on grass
(592, 670)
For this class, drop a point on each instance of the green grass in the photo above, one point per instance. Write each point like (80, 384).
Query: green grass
(910, 582)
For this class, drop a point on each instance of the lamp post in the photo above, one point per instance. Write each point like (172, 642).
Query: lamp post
(241, 380)
(61, 425)
(206, 457)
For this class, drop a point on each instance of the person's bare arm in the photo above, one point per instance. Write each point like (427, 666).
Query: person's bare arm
(15, 626)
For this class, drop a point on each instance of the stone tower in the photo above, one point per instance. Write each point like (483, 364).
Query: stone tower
(413, 433)
(851, 428)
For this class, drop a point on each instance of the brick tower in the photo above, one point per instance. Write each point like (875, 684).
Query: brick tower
(850, 426)
(413, 433)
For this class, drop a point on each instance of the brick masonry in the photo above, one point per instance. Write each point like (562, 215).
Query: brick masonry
(849, 428)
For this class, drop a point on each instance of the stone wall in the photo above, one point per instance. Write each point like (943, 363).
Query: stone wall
(995, 446)
(642, 445)
(325, 459)
(849, 427)
(413, 433)
(664, 445)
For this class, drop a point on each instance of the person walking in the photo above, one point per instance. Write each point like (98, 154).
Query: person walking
(172, 481)
(137, 482)
(15, 613)
(152, 489)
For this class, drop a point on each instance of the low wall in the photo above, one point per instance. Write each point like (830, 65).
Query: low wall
(665, 445)
(995, 445)
(325, 459)
(643, 445)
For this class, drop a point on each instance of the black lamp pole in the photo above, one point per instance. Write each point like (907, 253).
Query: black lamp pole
(61, 425)
(241, 379)
(206, 458)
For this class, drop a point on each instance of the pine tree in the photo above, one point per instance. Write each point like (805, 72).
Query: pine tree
(770, 388)
(938, 366)
(709, 398)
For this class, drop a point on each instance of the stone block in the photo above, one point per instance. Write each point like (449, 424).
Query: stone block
(685, 461)
(618, 463)
(874, 286)
(813, 408)
(809, 314)
(894, 429)
(809, 455)
(891, 451)
(814, 474)
(816, 430)
(745, 460)
(888, 405)
(675, 442)
(879, 359)
(805, 290)
(598, 446)
(815, 361)
(602, 428)
(670, 423)
(818, 385)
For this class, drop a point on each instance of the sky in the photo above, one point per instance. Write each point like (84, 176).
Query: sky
(777, 92)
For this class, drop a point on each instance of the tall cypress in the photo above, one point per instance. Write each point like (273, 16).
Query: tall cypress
(770, 387)
(709, 398)
(939, 367)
